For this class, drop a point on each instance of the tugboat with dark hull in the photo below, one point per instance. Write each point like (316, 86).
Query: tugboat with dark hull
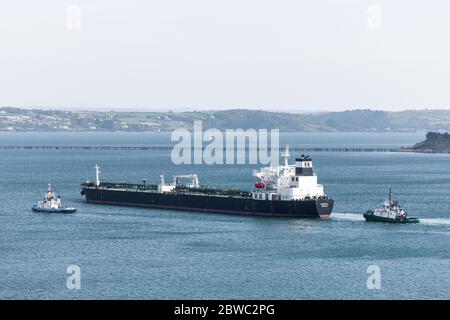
(283, 191)
(391, 212)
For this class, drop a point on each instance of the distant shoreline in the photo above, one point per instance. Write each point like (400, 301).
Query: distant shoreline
(169, 131)
(39, 120)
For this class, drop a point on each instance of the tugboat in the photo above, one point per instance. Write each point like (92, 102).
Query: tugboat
(52, 203)
(391, 213)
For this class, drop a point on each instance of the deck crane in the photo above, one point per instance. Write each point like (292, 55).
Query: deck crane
(194, 180)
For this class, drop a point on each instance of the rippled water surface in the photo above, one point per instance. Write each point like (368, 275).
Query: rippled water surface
(132, 253)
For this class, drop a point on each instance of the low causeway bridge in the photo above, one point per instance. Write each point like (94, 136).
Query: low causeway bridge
(170, 147)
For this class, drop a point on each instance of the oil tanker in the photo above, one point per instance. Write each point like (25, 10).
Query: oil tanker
(281, 191)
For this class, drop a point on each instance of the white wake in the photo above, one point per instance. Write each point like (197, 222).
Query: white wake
(347, 216)
(435, 221)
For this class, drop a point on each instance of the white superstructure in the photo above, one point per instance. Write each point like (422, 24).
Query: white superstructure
(288, 182)
(391, 210)
(51, 201)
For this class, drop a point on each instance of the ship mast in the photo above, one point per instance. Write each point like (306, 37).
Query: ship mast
(97, 175)
(285, 156)
(390, 197)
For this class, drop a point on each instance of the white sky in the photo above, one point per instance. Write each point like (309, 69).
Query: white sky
(300, 55)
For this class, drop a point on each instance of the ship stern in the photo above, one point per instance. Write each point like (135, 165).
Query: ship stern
(324, 207)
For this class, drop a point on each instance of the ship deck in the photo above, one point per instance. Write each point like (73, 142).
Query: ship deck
(181, 189)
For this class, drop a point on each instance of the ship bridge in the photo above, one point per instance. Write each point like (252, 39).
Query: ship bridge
(288, 182)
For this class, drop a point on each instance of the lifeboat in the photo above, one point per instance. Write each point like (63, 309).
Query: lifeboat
(260, 185)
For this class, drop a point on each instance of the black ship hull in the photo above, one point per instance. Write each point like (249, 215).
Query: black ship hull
(312, 208)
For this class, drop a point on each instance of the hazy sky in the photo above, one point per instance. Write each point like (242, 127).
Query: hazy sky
(203, 54)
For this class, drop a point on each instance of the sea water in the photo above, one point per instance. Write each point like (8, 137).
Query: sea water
(137, 253)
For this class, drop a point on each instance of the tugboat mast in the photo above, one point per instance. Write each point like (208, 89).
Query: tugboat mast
(390, 196)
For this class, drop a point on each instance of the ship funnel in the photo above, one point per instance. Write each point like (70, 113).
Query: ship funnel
(303, 166)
